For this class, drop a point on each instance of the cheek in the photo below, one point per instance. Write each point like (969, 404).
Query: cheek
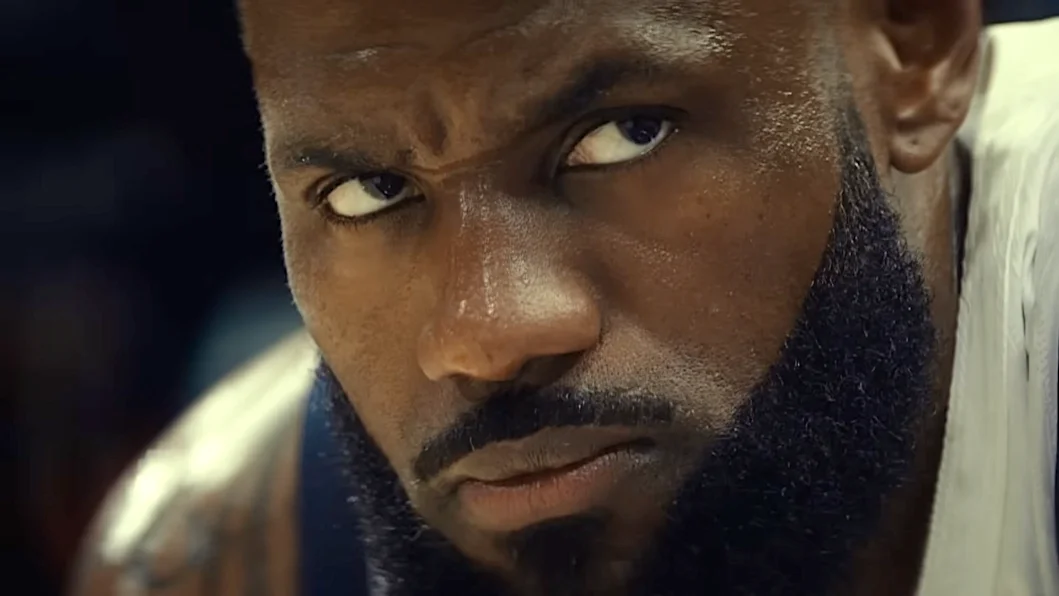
(725, 259)
(353, 304)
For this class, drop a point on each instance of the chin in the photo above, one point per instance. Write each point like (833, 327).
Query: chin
(591, 522)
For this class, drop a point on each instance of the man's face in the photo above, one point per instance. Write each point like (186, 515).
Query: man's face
(552, 251)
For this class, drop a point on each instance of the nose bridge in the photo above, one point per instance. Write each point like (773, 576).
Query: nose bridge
(506, 297)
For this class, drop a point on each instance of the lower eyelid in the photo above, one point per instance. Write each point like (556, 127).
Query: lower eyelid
(340, 220)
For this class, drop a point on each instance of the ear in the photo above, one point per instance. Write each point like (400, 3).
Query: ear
(929, 58)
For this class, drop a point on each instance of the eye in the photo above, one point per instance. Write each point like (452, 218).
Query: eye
(364, 195)
(620, 140)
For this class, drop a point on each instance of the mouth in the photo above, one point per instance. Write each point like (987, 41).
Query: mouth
(555, 473)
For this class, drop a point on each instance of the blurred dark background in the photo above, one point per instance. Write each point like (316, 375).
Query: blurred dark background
(140, 248)
(139, 243)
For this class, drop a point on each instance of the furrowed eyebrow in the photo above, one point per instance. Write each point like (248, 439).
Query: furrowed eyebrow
(587, 84)
(306, 154)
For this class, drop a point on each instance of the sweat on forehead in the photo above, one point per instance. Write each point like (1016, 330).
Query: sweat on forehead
(278, 29)
(470, 79)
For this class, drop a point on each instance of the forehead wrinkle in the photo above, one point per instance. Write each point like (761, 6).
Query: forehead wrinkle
(690, 29)
(442, 116)
(368, 56)
(550, 16)
(645, 39)
(523, 24)
(683, 30)
(511, 19)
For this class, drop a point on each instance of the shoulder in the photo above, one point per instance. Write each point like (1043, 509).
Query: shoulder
(1014, 110)
(210, 506)
(1008, 331)
(1012, 133)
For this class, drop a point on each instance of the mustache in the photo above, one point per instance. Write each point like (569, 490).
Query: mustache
(520, 412)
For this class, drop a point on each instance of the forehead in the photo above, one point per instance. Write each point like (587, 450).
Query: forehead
(385, 67)
(360, 30)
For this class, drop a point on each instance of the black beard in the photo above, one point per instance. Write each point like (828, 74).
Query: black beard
(780, 503)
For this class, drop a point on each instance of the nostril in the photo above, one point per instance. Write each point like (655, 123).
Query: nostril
(449, 354)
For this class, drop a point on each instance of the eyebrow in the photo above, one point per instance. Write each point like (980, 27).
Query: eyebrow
(309, 154)
(587, 84)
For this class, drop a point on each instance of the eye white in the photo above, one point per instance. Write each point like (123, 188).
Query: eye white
(620, 140)
(365, 195)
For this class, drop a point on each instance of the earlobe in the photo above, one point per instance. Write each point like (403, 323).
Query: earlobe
(932, 70)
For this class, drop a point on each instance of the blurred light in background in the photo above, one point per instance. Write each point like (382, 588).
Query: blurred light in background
(139, 243)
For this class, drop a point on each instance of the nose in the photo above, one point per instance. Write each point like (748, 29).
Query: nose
(501, 311)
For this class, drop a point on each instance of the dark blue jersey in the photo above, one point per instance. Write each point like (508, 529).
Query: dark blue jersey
(332, 554)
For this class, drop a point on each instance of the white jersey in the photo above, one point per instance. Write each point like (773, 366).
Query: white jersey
(994, 521)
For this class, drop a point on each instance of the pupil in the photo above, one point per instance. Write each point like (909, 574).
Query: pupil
(641, 130)
(385, 186)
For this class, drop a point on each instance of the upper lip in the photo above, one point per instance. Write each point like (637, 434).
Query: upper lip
(549, 449)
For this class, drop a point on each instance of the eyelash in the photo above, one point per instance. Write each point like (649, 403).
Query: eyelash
(622, 166)
(602, 117)
(556, 170)
(319, 202)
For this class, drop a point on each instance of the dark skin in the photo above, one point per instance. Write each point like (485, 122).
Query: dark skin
(508, 260)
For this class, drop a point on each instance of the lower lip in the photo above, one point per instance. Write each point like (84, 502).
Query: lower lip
(520, 502)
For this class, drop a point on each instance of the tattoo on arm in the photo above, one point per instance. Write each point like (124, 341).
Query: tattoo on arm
(209, 545)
